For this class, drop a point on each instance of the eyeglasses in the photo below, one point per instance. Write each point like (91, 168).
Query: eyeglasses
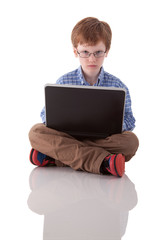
(86, 54)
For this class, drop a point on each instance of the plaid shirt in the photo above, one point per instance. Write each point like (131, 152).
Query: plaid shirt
(105, 80)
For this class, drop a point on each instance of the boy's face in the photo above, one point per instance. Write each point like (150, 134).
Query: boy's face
(91, 65)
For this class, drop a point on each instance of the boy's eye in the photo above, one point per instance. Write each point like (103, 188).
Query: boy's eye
(85, 52)
(99, 53)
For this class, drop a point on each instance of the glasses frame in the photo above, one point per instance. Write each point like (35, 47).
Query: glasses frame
(91, 54)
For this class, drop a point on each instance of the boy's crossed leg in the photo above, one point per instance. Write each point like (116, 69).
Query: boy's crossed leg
(86, 155)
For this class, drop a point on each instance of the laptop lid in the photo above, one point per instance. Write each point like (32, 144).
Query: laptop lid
(84, 111)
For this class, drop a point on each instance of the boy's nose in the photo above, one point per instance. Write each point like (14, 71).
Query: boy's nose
(92, 58)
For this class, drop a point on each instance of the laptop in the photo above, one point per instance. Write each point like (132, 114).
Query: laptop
(84, 111)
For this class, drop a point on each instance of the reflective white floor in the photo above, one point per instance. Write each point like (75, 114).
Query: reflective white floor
(62, 204)
(79, 205)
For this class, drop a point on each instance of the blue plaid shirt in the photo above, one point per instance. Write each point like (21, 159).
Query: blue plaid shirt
(105, 80)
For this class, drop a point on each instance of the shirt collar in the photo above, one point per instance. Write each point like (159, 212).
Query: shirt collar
(84, 82)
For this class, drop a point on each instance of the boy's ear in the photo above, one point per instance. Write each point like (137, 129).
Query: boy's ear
(106, 54)
(75, 52)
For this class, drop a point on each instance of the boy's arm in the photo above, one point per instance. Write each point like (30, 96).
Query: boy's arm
(43, 115)
(128, 123)
(129, 120)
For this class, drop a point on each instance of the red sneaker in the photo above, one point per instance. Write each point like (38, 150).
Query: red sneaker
(40, 159)
(115, 164)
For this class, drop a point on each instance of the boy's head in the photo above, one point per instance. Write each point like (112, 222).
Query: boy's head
(90, 31)
(91, 41)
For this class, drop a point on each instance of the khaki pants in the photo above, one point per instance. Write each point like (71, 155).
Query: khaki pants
(86, 155)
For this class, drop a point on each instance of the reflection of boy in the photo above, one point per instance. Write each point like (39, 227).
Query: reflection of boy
(91, 41)
(61, 194)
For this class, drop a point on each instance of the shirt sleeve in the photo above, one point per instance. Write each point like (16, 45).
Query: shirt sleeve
(59, 81)
(129, 120)
(43, 115)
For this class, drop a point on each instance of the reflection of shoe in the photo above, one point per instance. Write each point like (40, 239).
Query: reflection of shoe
(115, 164)
(40, 159)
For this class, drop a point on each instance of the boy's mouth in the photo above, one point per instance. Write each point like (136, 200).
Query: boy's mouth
(92, 66)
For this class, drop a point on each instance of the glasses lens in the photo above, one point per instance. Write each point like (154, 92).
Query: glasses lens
(84, 54)
(99, 54)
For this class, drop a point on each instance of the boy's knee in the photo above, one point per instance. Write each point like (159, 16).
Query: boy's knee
(34, 129)
(132, 142)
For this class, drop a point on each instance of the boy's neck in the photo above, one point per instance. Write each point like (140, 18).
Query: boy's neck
(91, 79)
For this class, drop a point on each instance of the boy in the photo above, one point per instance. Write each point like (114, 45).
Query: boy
(91, 41)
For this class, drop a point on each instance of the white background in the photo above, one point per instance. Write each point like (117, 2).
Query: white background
(35, 49)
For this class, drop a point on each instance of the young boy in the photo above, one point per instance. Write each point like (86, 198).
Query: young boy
(91, 41)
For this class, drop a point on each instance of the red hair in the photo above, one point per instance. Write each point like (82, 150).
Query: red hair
(90, 31)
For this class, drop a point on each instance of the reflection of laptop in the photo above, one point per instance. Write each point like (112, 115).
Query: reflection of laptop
(84, 111)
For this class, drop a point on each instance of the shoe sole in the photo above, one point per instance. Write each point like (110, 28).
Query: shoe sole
(119, 165)
(31, 154)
